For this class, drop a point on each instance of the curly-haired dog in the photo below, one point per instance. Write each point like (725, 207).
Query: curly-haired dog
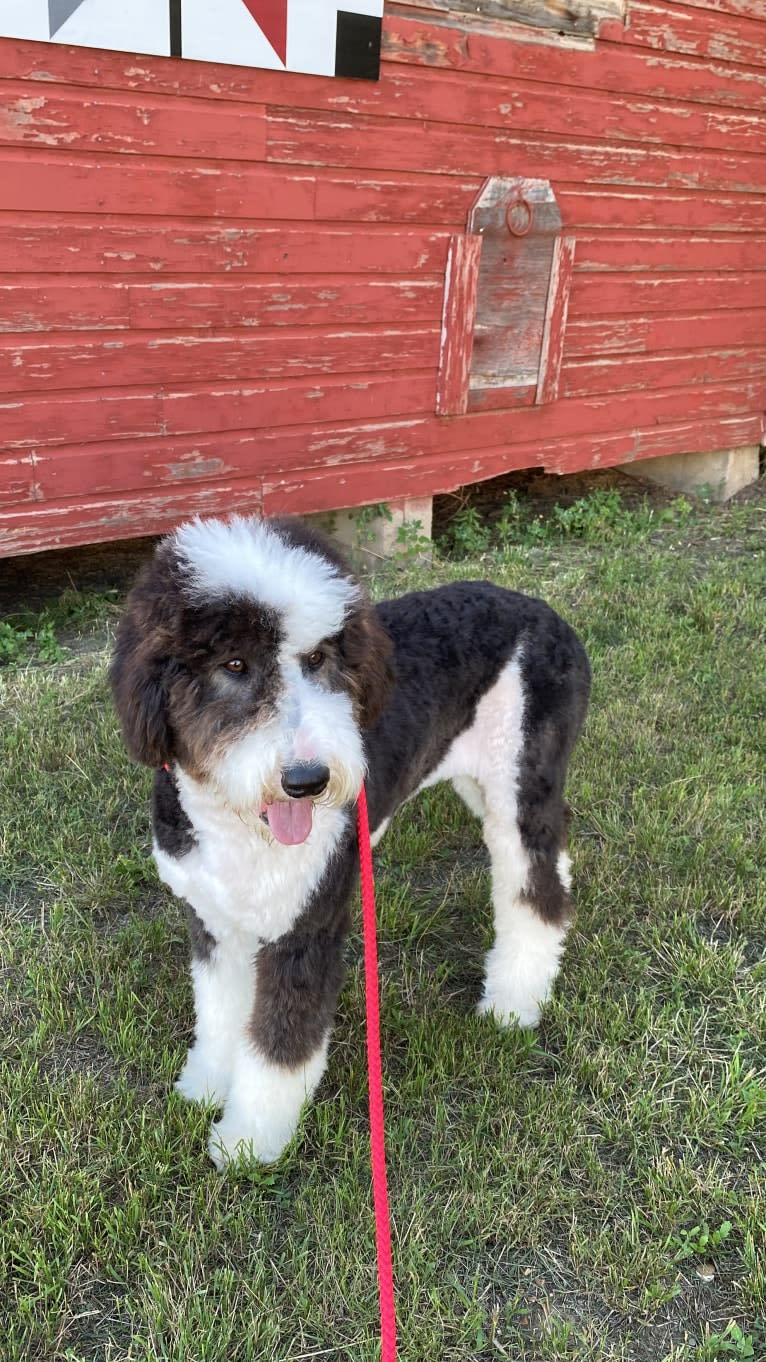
(254, 675)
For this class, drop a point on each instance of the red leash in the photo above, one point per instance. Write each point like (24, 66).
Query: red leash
(375, 1072)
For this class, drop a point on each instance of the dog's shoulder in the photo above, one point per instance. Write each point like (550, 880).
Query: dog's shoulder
(474, 612)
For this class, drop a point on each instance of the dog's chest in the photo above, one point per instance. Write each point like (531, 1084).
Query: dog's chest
(238, 880)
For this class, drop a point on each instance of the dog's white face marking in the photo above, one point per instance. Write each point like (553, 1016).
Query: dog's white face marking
(241, 557)
(312, 725)
(307, 722)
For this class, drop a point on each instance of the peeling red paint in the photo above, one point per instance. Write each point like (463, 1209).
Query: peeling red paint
(225, 289)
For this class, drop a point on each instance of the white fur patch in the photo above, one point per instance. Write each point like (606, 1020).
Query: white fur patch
(245, 556)
(224, 996)
(264, 1106)
(238, 878)
(483, 764)
(379, 832)
(522, 965)
(488, 752)
(471, 793)
(262, 1101)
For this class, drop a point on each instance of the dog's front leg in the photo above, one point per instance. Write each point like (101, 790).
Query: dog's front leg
(223, 976)
(280, 1060)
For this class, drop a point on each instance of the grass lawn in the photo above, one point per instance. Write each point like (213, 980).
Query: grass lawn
(594, 1192)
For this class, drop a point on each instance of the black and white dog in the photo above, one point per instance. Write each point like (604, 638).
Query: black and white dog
(253, 673)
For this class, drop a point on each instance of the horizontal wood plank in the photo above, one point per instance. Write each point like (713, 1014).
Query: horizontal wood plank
(604, 295)
(158, 125)
(668, 254)
(660, 210)
(98, 520)
(157, 509)
(412, 40)
(57, 303)
(43, 363)
(184, 478)
(578, 17)
(625, 335)
(173, 188)
(750, 9)
(381, 144)
(304, 490)
(381, 415)
(630, 446)
(126, 185)
(33, 421)
(616, 65)
(624, 373)
(74, 120)
(45, 243)
(525, 105)
(693, 32)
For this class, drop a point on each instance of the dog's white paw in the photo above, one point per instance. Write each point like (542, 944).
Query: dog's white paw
(230, 1143)
(263, 1108)
(505, 1013)
(202, 1079)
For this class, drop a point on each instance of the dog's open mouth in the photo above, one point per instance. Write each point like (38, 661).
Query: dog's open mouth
(289, 820)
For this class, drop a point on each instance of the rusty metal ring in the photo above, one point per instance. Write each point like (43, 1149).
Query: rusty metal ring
(520, 216)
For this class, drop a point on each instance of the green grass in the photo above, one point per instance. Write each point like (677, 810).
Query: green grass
(592, 1193)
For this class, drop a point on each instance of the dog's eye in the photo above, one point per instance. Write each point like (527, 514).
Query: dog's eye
(315, 660)
(235, 666)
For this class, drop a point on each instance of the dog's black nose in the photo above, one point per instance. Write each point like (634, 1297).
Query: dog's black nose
(305, 780)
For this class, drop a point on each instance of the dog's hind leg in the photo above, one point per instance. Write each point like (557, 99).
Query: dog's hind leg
(471, 793)
(532, 915)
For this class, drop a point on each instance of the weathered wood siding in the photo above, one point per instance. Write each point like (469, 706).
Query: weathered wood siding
(223, 288)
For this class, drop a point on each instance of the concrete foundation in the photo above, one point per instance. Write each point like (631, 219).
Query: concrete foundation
(369, 537)
(718, 476)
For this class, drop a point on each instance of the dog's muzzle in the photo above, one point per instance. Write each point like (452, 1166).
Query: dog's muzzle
(290, 820)
(305, 780)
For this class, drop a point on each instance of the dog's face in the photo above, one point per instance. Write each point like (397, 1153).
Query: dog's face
(250, 656)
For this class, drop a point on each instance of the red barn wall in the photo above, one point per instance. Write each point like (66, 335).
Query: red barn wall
(222, 288)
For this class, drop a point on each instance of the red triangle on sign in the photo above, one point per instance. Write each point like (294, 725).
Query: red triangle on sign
(271, 17)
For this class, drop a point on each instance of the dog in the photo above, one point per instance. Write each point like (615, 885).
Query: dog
(253, 674)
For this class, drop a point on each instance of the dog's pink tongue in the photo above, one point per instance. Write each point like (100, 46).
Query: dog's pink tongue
(290, 820)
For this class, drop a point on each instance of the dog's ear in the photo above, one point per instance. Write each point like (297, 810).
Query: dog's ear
(139, 676)
(367, 654)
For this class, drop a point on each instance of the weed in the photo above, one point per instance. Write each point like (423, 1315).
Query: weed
(700, 1240)
(364, 519)
(13, 642)
(600, 518)
(32, 643)
(411, 544)
(732, 1343)
(467, 535)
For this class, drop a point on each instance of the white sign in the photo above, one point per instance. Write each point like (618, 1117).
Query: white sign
(322, 37)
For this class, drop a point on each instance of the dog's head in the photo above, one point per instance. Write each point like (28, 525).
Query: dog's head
(250, 656)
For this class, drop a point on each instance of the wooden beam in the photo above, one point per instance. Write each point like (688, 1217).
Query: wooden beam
(458, 318)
